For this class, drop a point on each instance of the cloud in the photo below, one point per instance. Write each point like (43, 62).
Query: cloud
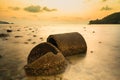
(36, 9)
(106, 8)
(14, 8)
(48, 10)
(33, 9)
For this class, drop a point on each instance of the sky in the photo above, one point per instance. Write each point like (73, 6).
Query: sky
(56, 11)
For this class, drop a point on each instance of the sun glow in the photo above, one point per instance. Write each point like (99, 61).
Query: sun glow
(57, 10)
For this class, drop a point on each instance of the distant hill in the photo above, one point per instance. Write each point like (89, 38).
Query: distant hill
(4, 22)
(110, 19)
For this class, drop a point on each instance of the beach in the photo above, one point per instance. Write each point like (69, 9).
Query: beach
(102, 60)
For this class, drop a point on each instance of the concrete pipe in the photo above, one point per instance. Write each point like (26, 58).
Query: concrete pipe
(45, 59)
(69, 43)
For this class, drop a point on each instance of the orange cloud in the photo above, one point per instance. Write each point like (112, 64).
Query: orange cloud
(36, 9)
(33, 9)
(49, 10)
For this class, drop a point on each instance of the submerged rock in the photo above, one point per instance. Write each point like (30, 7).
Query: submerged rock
(34, 35)
(25, 42)
(33, 42)
(99, 42)
(93, 32)
(4, 35)
(41, 38)
(29, 40)
(91, 51)
(18, 30)
(4, 22)
(18, 36)
(8, 30)
(45, 59)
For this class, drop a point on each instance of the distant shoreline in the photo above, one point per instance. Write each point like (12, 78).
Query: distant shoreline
(110, 19)
(5, 22)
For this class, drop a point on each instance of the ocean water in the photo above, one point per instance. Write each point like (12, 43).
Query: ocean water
(102, 60)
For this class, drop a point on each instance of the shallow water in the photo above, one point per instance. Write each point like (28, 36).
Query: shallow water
(102, 61)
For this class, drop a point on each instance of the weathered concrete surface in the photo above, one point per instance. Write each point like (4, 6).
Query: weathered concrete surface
(45, 59)
(69, 43)
(40, 50)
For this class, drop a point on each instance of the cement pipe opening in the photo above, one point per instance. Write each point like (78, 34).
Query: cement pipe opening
(40, 50)
(51, 40)
(45, 59)
(69, 43)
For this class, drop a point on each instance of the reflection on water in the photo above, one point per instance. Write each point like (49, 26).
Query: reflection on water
(102, 61)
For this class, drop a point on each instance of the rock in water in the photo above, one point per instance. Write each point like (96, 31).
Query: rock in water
(18, 36)
(4, 35)
(8, 30)
(45, 59)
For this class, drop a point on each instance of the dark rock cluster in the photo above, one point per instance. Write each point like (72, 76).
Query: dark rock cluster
(4, 35)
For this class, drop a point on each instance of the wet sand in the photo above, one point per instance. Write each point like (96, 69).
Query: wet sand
(102, 61)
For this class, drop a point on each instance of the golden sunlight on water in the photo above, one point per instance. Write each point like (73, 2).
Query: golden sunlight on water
(102, 61)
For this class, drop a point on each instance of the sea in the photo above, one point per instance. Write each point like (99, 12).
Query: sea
(102, 60)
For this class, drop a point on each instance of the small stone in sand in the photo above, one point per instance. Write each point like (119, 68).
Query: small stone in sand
(32, 31)
(25, 42)
(93, 32)
(30, 28)
(10, 26)
(29, 40)
(99, 42)
(8, 30)
(18, 36)
(84, 27)
(26, 27)
(33, 42)
(18, 30)
(15, 42)
(91, 51)
(41, 38)
(34, 36)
